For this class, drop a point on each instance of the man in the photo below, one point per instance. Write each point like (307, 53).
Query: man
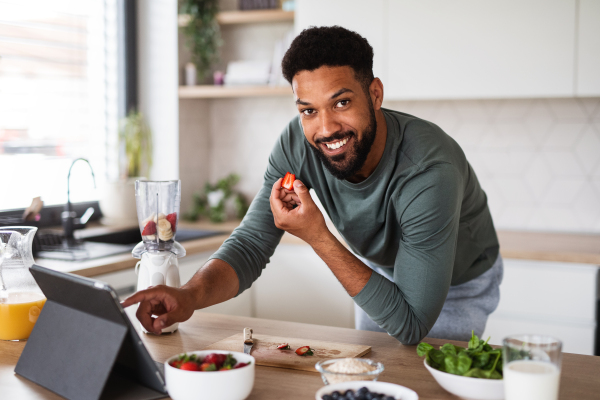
(397, 188)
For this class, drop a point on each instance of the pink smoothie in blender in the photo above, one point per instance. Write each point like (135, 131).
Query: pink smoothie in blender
(158, 213)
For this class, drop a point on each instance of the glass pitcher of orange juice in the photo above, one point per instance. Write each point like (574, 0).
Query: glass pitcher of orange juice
(21, 299)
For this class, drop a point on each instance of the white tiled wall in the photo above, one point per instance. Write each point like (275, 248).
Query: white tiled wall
(538, 160)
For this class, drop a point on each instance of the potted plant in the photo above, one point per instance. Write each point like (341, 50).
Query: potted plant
(203, 36)
(135, 159)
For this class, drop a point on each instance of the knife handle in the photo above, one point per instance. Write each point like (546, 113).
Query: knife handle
(248, 336)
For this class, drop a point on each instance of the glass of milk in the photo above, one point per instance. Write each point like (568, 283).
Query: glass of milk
(531, 367)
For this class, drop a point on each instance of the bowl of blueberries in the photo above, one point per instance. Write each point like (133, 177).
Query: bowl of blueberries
(365, 390)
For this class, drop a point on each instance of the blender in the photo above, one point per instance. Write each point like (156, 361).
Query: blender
(158, 213)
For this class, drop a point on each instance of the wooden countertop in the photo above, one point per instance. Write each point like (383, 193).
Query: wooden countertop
(579, 377)
(541, 246)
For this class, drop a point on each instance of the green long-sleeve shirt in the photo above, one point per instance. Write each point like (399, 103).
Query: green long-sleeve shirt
(421, 213)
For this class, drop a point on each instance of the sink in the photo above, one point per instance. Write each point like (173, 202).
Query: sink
(109, 244)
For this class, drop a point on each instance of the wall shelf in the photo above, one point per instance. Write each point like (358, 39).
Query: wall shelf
(219, 92)
(245, 17)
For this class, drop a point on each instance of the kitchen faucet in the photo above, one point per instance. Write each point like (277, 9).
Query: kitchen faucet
(69, 222)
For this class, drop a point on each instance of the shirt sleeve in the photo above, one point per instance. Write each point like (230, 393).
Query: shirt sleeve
(428, 210)
(251, 245)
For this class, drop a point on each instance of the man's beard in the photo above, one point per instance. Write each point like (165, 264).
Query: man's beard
(345, 165)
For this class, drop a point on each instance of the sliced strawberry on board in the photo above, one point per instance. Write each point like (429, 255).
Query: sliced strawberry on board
(190, 366)
(283, 346)
(172, 218)
(288, 181)
(149, 229)
(305, 351)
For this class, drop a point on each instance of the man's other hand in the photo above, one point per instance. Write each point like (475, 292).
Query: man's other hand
(161, 306)
(296, 212)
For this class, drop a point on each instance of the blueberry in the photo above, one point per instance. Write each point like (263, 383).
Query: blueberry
(363, 390)
(369, 396)
(336, 395)
(360, 396)
(389, 398)
(327, 397)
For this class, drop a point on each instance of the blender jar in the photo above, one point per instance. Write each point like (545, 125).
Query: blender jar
(21, 299)
(158, 212)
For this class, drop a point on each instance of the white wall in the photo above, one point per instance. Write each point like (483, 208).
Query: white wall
(158, 82)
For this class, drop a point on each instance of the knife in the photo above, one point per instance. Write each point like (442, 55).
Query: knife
(248, 342)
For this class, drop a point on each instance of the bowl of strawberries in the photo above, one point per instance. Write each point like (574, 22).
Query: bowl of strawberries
(210, 374)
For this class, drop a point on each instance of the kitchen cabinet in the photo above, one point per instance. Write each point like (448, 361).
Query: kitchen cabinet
(588, 50)
(480, 49)
(363, 17)
(438, 49)
(552, 298)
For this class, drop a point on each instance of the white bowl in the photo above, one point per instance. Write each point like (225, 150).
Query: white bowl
(469, 388)
(388, 389)
(234, 384)
(330, 377)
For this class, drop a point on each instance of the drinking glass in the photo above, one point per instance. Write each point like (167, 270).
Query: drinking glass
(531, 367)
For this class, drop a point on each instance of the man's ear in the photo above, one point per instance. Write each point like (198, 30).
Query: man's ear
(376, 92)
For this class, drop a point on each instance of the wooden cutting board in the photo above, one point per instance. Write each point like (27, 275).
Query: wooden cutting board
(266, 353)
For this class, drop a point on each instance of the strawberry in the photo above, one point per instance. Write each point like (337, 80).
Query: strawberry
(208, 367)
(305, 351)
(172, 218)
(283, 346)
(175, 364)
(149, 229)
(190, 366)
(240, 365)
(288, 181)
(214, 358)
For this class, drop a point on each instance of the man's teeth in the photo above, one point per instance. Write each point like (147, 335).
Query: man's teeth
(337, 145)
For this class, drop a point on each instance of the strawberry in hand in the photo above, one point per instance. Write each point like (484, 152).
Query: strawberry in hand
(288, 181)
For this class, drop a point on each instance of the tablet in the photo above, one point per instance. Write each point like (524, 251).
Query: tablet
(83, 345)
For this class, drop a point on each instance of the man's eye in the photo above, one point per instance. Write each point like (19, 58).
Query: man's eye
(308, 111)
(342, 103)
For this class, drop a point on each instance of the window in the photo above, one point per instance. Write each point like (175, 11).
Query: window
(58, 98)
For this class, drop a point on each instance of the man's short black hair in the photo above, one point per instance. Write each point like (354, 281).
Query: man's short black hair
(331, 46)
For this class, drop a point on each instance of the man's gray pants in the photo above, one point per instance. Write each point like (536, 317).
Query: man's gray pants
(467, 306)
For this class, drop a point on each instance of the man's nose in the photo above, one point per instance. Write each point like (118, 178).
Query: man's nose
(329, 124)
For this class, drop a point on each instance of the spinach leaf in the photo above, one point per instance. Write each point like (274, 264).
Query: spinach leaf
(423, 348)
(448, 349)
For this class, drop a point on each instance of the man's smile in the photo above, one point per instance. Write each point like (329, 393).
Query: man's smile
(336, 146)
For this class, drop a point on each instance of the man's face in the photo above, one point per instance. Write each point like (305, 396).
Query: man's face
(337, 116)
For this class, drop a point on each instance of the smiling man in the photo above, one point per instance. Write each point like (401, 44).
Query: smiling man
(423, 256)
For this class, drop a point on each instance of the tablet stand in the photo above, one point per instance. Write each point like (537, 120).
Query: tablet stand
(74, 354)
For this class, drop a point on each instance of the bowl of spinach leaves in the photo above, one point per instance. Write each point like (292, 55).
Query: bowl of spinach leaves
(474, 372)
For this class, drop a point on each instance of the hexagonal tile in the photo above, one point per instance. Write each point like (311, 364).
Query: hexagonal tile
(560, 219)
(447, 117)
(563, 135)
(589, 104)
(508, 135)
(513, 109)
(515, 191)
(469, 134)
(587, 149)
(563, 163)
(538, 177)
(538, 120)
(563, 192)
(472, 110)
(566, 109)
(514, 217)
(587, 206)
